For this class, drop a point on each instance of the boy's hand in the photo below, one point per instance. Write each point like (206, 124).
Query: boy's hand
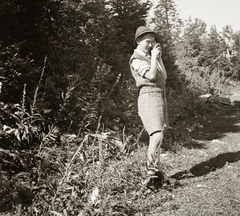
(157, 50)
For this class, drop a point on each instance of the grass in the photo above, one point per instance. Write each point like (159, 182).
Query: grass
(208, 175)
(96, 177)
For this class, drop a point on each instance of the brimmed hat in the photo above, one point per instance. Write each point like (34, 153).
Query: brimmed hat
(140, 31)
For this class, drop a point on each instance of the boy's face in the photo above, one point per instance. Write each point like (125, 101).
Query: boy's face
(146, 42)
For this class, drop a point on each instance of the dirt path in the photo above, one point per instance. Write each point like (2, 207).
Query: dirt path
(209, 171)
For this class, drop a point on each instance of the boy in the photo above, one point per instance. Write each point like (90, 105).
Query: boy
(150, 75)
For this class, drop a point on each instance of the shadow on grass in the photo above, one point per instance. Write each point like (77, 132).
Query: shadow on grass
(216, 125)
(195, 145)
(208, 166)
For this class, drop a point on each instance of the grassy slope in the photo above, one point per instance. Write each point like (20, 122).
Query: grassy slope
(209, 173)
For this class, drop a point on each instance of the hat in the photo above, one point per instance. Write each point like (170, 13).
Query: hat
(140, 31)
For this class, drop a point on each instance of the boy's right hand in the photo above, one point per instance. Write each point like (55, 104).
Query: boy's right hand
(157, 50)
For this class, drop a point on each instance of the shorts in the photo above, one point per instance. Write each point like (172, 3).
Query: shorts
(152, 109)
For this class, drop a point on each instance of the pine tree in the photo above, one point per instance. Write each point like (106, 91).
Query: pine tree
(165, 21)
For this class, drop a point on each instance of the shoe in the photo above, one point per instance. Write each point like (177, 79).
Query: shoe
(152, 184)
(154, 179)
(151, 172)
(165, 179)
(161, 175)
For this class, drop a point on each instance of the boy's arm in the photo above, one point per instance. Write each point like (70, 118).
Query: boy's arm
(155, 52)
(151, 74)
(142, 67)
(145, 69)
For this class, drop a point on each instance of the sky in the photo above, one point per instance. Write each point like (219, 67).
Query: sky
(214, 12)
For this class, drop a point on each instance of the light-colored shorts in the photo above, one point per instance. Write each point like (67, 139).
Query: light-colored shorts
(152, 110)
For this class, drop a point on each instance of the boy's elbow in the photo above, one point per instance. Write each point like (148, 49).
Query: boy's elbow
(150, 76)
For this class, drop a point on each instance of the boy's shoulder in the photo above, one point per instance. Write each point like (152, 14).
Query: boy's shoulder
(138, 54)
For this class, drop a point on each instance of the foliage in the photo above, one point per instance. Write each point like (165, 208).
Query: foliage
(15, 71)
(52, 175)
(64, 69)
(22, 135)
(207, 61)
(184, 113)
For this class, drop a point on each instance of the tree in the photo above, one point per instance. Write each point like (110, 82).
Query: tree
(237, 53)
(166, 23)
(212, 46)
(119, 28)
(26, 33)
(165, 19)
(194, 34)
(119, 22)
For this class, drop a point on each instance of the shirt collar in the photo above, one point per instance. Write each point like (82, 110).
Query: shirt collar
(141, 52)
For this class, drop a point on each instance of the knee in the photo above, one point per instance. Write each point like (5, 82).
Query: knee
(157, 137)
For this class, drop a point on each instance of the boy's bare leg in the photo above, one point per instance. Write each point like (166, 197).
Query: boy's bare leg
(157, 162)
(153, 153)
